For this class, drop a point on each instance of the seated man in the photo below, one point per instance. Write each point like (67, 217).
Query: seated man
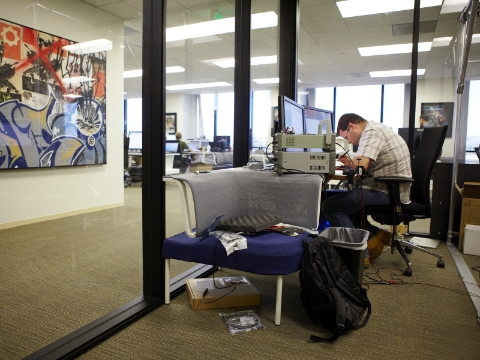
(182, 148)
(382, 152)
(224, 144)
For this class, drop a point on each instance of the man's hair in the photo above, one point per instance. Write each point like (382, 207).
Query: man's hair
(425, 117)
(178, 135)
(346, 119)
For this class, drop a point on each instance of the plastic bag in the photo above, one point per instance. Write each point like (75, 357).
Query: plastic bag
(241, 321)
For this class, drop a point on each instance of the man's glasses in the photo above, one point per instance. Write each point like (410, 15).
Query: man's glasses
(345, 135)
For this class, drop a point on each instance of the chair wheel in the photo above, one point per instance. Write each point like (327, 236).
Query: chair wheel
(408, 272)
(441, 263)
(408, 250)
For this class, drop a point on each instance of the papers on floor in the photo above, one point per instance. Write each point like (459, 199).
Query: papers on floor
(425, 242)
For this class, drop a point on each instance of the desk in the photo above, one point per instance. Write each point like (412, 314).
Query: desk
(203, 155)
(169, 170)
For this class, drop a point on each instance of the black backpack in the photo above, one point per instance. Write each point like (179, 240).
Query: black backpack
(330, 294)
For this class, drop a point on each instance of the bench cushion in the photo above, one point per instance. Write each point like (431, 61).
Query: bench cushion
(268, 253)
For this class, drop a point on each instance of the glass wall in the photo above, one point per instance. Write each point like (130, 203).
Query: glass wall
(473, 125)
(264, 72)
(70, 237)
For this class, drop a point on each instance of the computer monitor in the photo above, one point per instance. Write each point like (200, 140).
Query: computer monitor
(220, 137)
(291, 114)
(135, 140)
(171, 147)
(313, 116)
(417, 133)
(316, 121)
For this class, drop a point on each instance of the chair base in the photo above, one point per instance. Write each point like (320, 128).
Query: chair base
(399, 244)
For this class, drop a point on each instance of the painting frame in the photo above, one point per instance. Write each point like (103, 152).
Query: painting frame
(52, 100)
(439, 114)
(171, 123)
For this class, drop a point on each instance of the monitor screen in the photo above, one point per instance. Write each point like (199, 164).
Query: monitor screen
(135, 140)
(313, 118)
(171, 146)
(291, 114)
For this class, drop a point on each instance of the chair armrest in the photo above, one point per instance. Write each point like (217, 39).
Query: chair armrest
(393, 185)
(393, 179)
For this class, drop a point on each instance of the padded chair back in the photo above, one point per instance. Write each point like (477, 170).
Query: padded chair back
(426, 156)
(295, 198)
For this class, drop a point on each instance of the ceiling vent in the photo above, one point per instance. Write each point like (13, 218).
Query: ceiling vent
(407, 29)
(357, 75)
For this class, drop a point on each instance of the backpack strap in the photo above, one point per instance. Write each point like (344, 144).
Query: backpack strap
(365, 320)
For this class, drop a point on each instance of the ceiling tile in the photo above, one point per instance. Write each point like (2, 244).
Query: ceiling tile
(122, 10)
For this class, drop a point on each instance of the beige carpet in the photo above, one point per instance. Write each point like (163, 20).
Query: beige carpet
(62, 274)
(430, 317)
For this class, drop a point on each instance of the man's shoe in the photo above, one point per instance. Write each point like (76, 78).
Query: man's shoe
(377, 243)
(366, 263)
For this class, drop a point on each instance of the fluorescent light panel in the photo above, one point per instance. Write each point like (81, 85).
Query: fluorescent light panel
(451, 6)
(354, 8)
(221, 26)
(268, 81)
(393, 49)
(197, 86)
(443, 41)
(258, 60)
(88, 47)
(391, 73)
(139, 72)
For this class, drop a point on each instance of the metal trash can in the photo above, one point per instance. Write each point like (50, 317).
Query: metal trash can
(350, 244)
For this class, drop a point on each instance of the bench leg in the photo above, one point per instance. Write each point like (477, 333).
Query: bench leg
(167, 281)
(278, 307)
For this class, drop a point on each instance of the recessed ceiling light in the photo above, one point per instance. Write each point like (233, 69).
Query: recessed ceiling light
(197, 86)
(443, 41)
(88, 47)
(393, 49)
(220, 26)
(258, 60)
(451, 6)
(268, 81)
(353, 8)
(174, 69)
(390, 73)
(139, 72)
(132, 73)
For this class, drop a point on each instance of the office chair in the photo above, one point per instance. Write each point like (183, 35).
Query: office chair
(423, 163)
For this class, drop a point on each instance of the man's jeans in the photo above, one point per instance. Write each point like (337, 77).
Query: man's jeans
(344, 209)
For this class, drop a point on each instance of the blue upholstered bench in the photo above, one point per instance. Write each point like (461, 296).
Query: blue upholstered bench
(296, 198)
(268, 253)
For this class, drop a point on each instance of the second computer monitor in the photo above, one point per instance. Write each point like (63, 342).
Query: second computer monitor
(313, 116)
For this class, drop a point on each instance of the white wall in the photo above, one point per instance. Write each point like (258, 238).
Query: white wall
(32, 195)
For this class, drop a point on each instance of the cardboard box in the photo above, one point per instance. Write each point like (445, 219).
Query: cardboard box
(234, 296)
(470, 208)
(199, 167)
(471, 243)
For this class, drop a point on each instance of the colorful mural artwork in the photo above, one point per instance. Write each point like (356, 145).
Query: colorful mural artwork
(52, 100)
